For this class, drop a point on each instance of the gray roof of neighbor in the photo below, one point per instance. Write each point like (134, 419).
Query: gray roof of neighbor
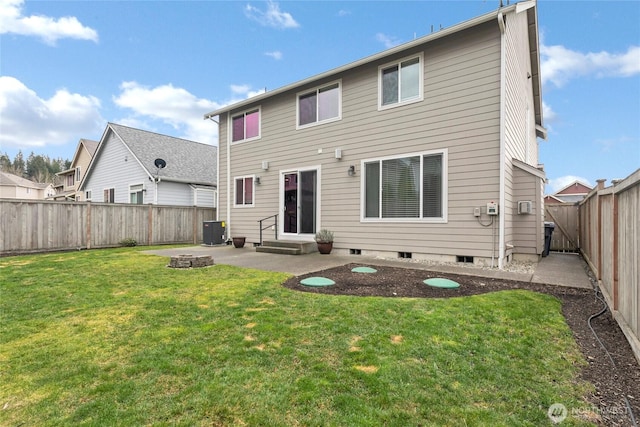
(186, 161)
(10, 179)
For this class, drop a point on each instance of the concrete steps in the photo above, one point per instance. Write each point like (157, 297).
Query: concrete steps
(287, 247)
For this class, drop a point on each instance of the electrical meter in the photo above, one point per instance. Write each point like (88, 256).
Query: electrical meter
(492, 208)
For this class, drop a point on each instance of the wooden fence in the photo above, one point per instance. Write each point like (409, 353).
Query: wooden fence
(39, 226)
(610, 243)
(565, 236)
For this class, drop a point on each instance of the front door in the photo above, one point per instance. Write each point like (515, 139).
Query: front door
(300, 197)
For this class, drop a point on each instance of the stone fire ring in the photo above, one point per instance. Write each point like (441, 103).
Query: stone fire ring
(190, 261)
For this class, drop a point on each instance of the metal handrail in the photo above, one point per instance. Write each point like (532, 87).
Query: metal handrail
(275, 225)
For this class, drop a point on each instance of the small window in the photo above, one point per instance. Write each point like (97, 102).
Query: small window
(400, 82)
(136, 194)
(244, 191)
(319, 105)
(245, 126)
(109, 195)
(70, 180)
(78, 173)
(87, 195)
(405, 188)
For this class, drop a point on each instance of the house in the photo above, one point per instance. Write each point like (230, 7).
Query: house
(68, 180)
(16, 187)
(571, 193)
(136, 166)
(427, 150)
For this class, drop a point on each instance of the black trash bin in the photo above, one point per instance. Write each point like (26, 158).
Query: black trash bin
(548, 231)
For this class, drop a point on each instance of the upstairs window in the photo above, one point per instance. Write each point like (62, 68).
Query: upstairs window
(319, 105)
(403, 188)
(244, 191)
(70, 180)
(401, 82)
(78, 173)
(245, 126)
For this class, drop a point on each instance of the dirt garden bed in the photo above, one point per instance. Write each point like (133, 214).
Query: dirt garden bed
(614, 378)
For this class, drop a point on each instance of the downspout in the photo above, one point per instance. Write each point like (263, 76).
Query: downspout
(228, 221)
(217, 201)
(501, 224)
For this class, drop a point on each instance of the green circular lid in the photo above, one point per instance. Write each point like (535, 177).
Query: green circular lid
(364, 270)
(317, 281)
(438, 282)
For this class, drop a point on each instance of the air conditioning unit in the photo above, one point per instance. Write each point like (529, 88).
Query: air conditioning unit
(525, 207)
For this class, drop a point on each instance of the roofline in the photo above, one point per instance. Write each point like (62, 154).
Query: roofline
(487, 17)
(577, 181)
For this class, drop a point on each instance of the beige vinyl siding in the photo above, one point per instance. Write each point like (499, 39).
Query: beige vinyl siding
(459, 113)
(528, 236)
(520, 135)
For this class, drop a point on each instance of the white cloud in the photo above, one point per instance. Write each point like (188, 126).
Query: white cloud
(387, 41)
(272, 17)
(276, 54)
(48, 29)
(31, 121)
(547, 113)
(558, 183)
(343, 12)
(172, 106)
(559, 64)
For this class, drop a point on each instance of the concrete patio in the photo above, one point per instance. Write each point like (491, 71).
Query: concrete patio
(562, 269)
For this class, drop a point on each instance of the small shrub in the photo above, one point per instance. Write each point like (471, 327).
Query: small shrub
(324, 236)
(129, 241)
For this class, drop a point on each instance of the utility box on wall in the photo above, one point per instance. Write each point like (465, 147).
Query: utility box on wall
(213, 233)
(524, 207)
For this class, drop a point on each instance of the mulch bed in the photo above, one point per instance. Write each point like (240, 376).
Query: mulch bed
(614, 378)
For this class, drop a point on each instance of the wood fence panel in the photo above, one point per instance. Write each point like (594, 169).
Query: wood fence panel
(629, 253)
(610, 242)
(44, 225)
(565, 236)
(605, 264)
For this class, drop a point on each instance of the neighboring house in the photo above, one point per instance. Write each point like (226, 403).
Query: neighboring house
(406, 153)
(68, 180)
(572, 193)
(124, 169)
(16, 187)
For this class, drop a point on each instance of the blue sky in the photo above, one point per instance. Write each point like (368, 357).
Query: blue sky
(68, 68)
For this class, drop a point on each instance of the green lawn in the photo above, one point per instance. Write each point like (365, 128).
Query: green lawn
(113, 337)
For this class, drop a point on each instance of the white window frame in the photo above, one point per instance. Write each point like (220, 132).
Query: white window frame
(77, 173)
(140, 190)
(87, 195)
(235, 191)
(400, 102)
(244, 113)
(317, 90)
(445, 189)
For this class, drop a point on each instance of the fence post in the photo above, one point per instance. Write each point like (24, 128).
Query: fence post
(88, 229)
(615, 250)
(150, 226)
(195, 229)
(599, 228)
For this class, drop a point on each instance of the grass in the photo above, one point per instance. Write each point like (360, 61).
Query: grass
(112, 337)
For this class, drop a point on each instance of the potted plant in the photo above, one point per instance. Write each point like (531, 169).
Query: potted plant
(324, 239)
(238, 242)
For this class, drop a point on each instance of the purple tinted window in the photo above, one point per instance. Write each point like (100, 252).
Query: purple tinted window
(248, 191)
(252, 122)
(238, 128)
(307, 105)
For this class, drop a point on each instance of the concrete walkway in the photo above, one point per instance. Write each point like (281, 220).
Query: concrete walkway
(556, 269)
